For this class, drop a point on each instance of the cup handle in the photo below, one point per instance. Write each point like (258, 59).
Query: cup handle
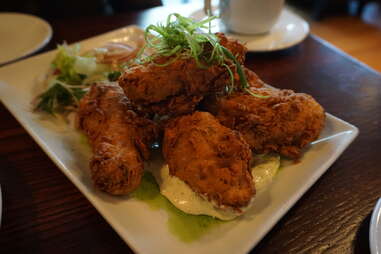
(208, 7)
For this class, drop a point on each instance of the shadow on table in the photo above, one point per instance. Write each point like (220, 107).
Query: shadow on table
(361, 241)
(276, 53)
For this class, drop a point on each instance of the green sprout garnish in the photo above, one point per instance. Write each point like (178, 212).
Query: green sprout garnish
(185, 38)
(58, 97)
(114, 75)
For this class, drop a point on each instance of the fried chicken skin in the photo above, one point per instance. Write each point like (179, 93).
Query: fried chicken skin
(252, 79)
(119, 137)
(285, 122)
(212, 159)
(174, 86)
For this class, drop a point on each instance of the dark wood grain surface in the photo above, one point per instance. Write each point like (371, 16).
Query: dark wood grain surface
(43, 212)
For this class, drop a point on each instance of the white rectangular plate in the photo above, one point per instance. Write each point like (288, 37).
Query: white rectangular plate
(144, 229)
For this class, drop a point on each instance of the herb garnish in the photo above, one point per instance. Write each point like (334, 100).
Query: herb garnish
(113, 76)
(59, 97)
(183, 38)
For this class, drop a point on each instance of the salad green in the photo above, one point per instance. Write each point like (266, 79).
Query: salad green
(70, 76)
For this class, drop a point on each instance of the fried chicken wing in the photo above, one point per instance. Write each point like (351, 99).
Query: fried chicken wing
(212, 159)
(252, 79)
(119, 137)
(175, 88)
(285, 122)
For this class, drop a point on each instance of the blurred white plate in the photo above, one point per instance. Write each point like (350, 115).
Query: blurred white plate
(144, 229)
(375, 230)
(287, 32)
(21, 35)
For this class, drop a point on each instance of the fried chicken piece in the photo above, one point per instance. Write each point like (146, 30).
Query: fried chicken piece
(175, 88)
(119, 137)
(285, 122)
(252, 79)
(212, 159)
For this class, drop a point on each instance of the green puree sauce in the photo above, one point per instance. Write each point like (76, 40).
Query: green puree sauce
(185, 226)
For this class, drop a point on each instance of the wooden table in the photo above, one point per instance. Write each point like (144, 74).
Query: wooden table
(45, 213)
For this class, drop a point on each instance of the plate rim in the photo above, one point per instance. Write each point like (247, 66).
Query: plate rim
(41, 44)
(124, 234)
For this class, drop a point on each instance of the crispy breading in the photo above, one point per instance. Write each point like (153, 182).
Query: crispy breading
(176, 85)
(285, 122)
(252, 79)
(212, 159)
(119, 137)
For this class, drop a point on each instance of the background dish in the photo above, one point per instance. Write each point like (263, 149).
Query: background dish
(21, 35)
(289, 30)
(135, 222)
(375, 230)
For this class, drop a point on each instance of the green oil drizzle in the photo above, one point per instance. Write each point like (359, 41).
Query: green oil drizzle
(186, 227)
(83, 140)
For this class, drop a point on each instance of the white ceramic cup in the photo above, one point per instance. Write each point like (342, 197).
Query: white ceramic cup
(248, 16)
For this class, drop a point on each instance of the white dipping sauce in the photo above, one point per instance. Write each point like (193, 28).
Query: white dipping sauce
(264, 170)
(184, 198)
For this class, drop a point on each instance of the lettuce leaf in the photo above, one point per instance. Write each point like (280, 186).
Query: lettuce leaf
(64, 65)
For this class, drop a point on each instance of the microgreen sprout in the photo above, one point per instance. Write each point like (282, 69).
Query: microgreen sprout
(182, 37)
